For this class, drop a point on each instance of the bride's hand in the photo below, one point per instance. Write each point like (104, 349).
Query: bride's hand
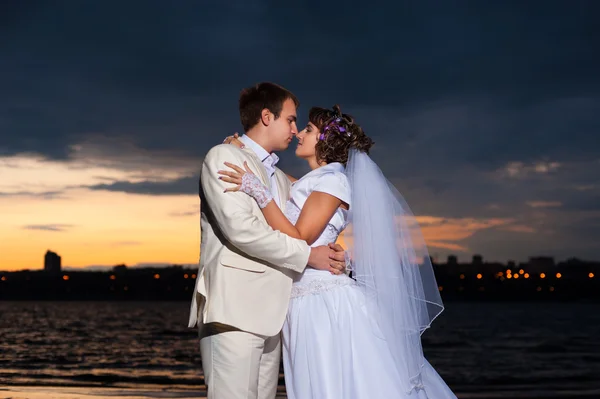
(246, 182)
(235, 177)
(234, 140)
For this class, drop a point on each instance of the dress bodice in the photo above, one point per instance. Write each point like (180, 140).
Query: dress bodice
(332, 180)
(329, 179)
(331, 232)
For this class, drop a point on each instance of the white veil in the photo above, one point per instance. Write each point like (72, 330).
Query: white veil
(391, 264)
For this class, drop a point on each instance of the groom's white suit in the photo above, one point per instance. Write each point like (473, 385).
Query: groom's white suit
(244, 282)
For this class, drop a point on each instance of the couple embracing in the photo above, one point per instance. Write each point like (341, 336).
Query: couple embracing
(273, 280)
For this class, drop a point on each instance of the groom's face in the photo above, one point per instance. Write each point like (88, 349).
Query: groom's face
(283, 129)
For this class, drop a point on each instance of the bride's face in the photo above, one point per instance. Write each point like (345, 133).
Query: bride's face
(307, 141)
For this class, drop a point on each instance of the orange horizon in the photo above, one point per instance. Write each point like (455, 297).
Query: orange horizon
(175, 243)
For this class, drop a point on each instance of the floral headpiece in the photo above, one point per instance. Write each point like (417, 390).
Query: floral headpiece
(334, 124)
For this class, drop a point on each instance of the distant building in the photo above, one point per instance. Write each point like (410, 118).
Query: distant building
(52, 262)
(541, 263)
(574, 262)
(452, 260)
(120, 268)
(477, 260)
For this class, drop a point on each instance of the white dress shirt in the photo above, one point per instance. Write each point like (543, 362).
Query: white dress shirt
(268, 160)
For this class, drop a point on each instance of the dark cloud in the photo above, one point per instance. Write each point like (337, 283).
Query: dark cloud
(50, 195)
(49, 227)
(169, 75)
(553, 235)
(183, 186)
(193, 212)
(452, 93)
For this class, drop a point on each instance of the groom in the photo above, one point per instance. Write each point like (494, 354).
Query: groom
(246, 268)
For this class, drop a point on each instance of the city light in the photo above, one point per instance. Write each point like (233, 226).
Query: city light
(489, 282)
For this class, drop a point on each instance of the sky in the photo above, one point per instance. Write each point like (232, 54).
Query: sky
(485, 116)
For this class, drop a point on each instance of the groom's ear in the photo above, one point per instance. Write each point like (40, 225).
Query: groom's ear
(266, 117)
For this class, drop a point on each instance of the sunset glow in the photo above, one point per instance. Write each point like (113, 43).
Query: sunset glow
(86, 226)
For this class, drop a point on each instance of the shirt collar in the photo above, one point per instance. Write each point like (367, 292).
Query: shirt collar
(268, 160)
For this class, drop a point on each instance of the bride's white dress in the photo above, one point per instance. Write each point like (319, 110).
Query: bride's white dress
(329, 348)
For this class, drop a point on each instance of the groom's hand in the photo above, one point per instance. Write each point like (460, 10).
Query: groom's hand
(338, 256)
(327, 258)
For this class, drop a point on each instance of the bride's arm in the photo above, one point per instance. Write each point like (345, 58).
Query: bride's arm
(316, 213)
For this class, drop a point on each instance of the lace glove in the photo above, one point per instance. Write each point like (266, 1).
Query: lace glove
(252, 186)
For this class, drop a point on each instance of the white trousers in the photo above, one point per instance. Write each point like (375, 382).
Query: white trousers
(238, 364)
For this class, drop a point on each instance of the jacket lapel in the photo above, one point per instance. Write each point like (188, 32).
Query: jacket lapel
(283, 184)
(283, 188)
(257, 167)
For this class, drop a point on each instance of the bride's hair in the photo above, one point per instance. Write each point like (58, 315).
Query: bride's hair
(338, 134)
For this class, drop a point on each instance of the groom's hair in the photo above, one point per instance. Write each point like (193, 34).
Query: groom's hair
(260, 96)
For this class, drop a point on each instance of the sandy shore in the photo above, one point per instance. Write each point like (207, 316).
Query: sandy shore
(22, 392)
(92, 393)
(17, 392)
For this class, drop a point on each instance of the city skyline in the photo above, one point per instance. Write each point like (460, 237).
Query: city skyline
(484, 116)
(449, 259)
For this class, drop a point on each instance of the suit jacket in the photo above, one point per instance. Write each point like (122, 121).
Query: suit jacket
(245, 274)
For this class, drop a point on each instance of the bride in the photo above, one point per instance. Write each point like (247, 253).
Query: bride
(355, 337)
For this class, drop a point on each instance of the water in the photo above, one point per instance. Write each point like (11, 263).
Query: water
(481, 350)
